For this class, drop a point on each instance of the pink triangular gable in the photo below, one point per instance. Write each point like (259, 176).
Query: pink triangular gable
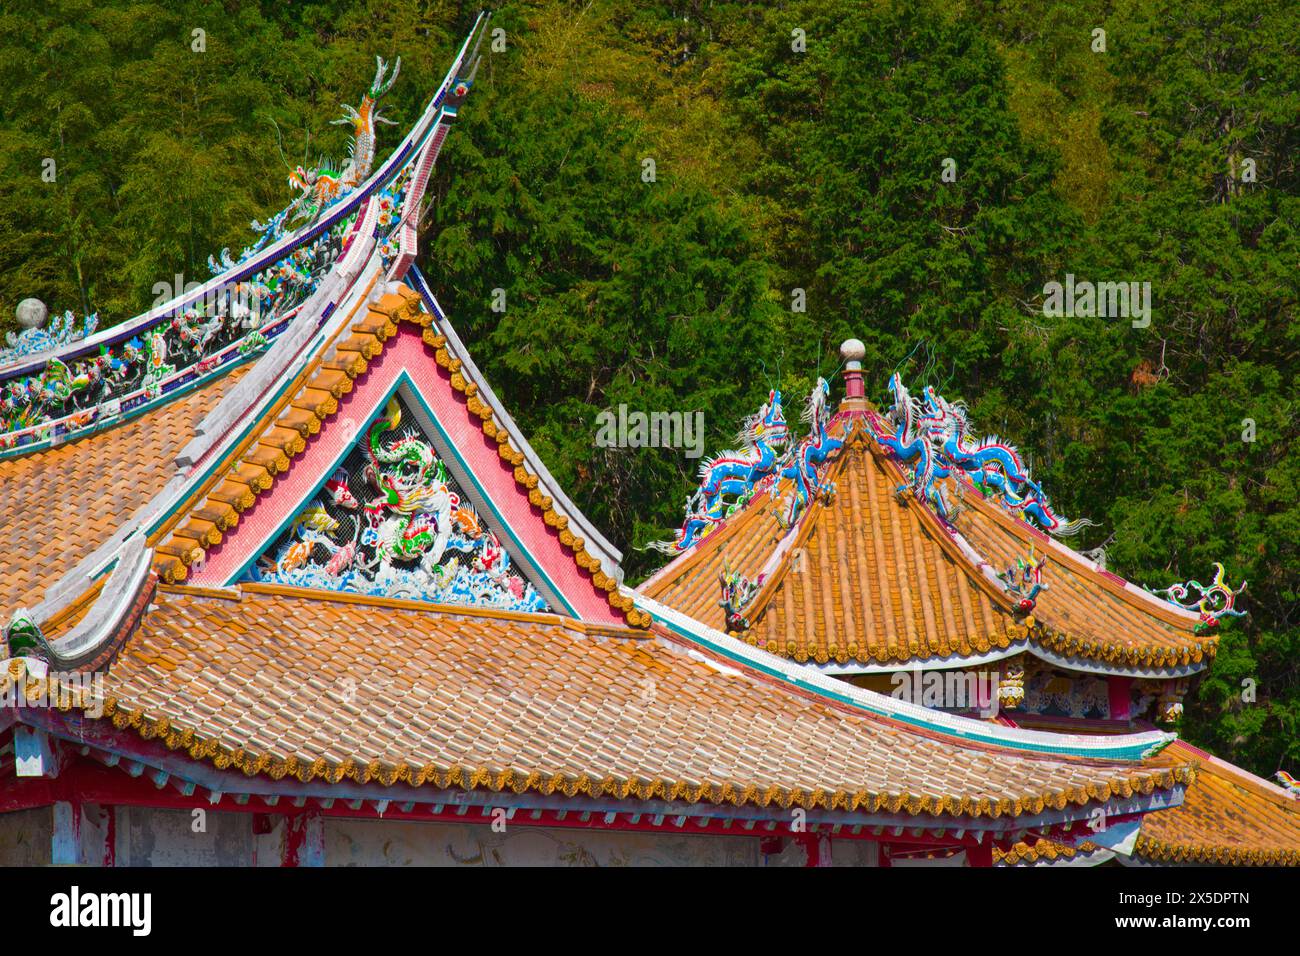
(407, 367)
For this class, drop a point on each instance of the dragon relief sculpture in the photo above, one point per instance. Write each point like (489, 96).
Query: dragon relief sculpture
(934, 436)
(413, 535)
(732, 479)
(809, 455)
(321, 186)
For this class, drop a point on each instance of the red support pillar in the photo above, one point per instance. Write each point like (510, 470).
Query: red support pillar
(304, 840)
(981, 854)
(1121, 696)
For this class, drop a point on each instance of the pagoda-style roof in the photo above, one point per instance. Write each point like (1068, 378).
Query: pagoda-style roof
(862, 579)
(1229, 818)
(871, 578)
(301, 686)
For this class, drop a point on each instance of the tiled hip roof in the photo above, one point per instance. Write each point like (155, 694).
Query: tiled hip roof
(281, 683)
(1227, 818)
(873, 578)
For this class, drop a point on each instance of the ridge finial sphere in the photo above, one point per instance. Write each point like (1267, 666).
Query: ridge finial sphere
(853, 350)
(31, 313)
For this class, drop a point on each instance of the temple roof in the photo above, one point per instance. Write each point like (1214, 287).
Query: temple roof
(160, 558)
(1229, 817)
(59, 505)
(276, 681)
(862, 578)
(873, 578)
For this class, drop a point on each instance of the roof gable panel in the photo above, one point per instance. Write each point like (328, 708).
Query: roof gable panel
(396, 350)
(393, 520)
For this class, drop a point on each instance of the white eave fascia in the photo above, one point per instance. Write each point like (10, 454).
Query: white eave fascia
(1128, 747)
(1098, 667)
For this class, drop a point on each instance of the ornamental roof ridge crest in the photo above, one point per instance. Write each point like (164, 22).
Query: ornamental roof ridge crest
(202, 332)
(462, 68)
(762, 555)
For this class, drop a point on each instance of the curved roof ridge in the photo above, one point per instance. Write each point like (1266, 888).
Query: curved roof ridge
(136, 376)
(23, 365)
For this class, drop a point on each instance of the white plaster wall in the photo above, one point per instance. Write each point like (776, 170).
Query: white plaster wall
(156, 837)
(25, 837)
(854, 853)
(152, 837)
(403, 843)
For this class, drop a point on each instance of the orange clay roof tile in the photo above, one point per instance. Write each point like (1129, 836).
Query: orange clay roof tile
(59, 505)
(277, 681)
(1227, 818)
(868, 580)
(1082, 613)
(873, 578)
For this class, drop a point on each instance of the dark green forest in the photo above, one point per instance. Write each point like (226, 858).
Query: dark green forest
(1169, 157)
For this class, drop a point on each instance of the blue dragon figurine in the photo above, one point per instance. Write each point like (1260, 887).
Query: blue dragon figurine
(730, 480)
(810, 453)
(936, 434)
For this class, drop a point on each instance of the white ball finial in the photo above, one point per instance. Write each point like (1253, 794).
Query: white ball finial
(31, 313)
(853, 352)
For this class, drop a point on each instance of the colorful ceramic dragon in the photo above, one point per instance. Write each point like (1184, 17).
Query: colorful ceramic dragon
(321, 186)
(1213, 602)
(1024, 580)
(411, 518)
(910, 442)
(809, 454)
(417, 538)
(936, 434)
(730, 480)
(737, 592)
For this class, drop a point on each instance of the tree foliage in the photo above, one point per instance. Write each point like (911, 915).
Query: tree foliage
(776, 169)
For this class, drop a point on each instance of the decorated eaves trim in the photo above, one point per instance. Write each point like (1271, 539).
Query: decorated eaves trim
(1046, 851)
(1137, 598)
(1163, 852)
(223, 757)
(268, 451)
